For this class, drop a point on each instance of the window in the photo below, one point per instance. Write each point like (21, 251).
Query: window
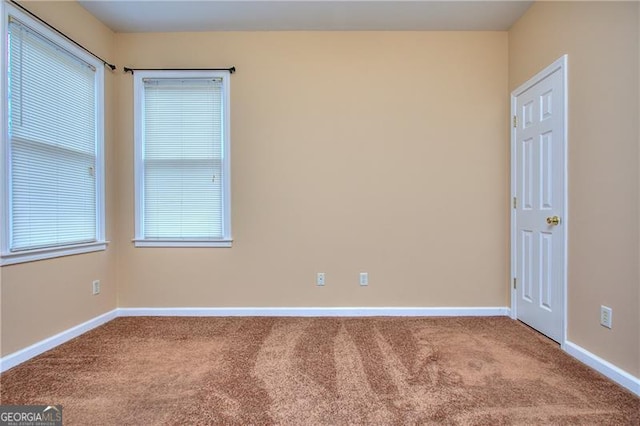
(52, 144)
(182, 159)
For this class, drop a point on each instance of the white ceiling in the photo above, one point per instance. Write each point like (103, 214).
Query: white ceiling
(331, 15)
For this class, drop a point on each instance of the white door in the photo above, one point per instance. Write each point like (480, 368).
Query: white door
(539, 204)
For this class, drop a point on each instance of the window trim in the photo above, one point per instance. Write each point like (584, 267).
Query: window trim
(8, 257)
(138, 89)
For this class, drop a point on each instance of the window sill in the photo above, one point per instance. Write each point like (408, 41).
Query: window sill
(183, 243)
(50, 253)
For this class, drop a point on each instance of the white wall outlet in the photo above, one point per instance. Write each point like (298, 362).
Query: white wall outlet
(364, 278)
(320, 278)
(96, 287)
(605, 316)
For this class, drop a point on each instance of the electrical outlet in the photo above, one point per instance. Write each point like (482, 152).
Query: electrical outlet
(96, 287)
(320, 278)
(364, 278)
(605, 316)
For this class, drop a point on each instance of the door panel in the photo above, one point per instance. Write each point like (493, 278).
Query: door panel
(527, 174)
(527, 265)
(546, 270)
(539, 187)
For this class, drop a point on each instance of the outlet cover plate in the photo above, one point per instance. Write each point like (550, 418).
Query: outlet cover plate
(364, 278)
(606, 316)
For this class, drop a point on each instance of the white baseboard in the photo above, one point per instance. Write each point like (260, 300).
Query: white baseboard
(604, 367)
(29, 352)
(314, 312)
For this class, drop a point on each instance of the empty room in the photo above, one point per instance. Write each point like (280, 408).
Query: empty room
(320, 212)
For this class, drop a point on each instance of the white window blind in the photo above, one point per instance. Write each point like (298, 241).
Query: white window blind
(183, 154)
(52, 142)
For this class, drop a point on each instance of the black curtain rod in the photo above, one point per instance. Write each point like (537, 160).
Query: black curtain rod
(131, 70)
(18, 5)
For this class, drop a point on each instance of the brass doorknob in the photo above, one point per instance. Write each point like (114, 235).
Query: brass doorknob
(553, 220)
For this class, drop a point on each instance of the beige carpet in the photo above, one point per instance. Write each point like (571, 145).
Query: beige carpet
(317, 371)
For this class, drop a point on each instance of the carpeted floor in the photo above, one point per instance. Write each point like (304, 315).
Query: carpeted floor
(317, 371)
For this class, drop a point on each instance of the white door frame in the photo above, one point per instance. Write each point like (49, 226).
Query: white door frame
(559, 64)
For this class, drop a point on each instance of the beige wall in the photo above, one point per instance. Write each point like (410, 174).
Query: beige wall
(601, 40)
(40, 299)
(383, 152)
